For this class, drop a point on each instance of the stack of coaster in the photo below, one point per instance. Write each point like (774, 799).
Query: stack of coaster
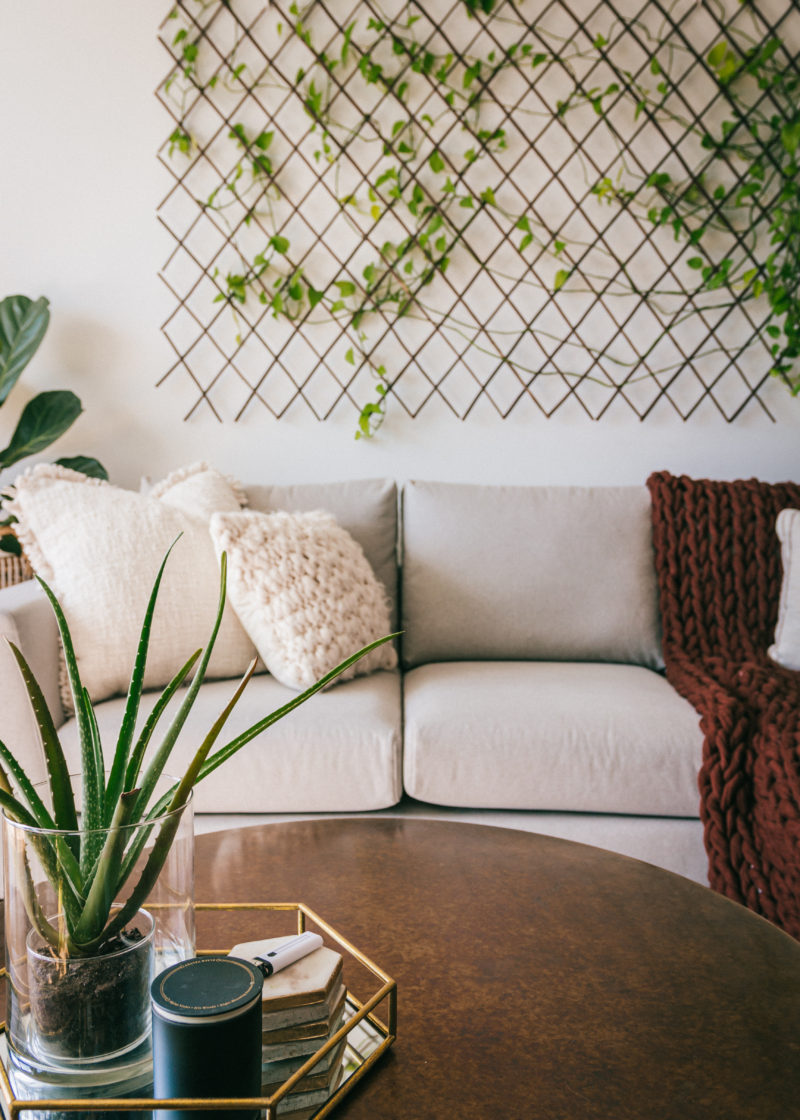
(303, 1005)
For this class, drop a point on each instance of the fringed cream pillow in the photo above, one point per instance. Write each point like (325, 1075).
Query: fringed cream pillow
(100, 547)
(304, 592)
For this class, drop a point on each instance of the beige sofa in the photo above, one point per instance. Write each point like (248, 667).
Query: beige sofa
(529, 693)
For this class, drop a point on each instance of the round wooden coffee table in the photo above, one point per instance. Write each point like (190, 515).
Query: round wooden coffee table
(537, 978)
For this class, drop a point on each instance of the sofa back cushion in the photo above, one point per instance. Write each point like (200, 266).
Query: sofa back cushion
(516, 572)
(366, 508)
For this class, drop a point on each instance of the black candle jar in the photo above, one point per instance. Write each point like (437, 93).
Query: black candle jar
(207, 1033)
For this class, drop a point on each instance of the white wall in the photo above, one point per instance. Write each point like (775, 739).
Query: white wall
(79, 186)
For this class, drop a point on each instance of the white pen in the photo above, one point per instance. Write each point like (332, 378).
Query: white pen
(288, 953)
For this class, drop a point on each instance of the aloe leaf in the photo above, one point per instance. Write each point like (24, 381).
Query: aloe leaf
(33, 909)
(224, 753)
(135, 849)
(17, 811)
(97, 750)
(159, 760)
(143, 833)
(135, 762)
(103, 888)
(92, 818)
(52, 857)
(147, 880)
(88, 767)
(43, 819)
(190, 777)
(176, 797)
(27, 789)
(116, 778)
(58, 772)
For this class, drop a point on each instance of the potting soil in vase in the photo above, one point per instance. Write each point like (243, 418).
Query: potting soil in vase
(85, 1008)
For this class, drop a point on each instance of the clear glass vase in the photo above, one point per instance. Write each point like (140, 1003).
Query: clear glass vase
(78, 998)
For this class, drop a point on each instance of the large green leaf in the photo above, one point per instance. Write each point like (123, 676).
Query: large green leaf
(43, 420)
(86, 465)
(10, 544)
(23, 323)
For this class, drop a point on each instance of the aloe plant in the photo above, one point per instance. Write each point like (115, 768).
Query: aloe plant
(46, 416)
(89, 872)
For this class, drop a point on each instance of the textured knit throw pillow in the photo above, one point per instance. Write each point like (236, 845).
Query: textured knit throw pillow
(99, 548)
(786, 650)
(304, 592)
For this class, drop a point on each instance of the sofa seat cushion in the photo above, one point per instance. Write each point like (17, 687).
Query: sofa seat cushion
(338, 752)
(550, 735)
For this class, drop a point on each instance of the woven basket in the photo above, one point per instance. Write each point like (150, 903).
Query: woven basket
(13, 569)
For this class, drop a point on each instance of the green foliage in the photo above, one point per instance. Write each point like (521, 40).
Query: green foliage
(739, 208)
(441, 171)
(23, 324)
(419, 182)
(89, 877)
(760, 208)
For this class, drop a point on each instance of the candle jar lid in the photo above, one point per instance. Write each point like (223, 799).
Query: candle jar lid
(206, 988)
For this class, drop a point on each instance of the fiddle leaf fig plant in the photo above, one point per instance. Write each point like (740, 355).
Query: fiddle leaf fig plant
(89, 870)
(48, 415)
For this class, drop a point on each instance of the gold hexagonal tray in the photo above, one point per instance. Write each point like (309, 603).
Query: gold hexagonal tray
(365, 1035)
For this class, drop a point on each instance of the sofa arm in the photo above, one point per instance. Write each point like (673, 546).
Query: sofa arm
(27, 620)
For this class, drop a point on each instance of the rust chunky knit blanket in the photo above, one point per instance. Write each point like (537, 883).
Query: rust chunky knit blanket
(719, 572)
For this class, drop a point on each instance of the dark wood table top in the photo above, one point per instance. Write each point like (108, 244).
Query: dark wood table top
(537, 978)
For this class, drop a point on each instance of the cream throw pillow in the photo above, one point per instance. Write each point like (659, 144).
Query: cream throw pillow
(304, 592)
(786, 650)
(99, 548)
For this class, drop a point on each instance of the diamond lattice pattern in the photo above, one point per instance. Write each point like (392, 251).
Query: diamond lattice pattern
(387, 204)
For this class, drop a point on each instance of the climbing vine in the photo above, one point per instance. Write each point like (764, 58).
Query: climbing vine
(416, 132)
(738, 207)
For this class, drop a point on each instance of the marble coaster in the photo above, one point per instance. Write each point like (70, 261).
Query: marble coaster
(277, 1051)
(316, 1028)
(299, 1106)
(309, 980)
(318, 1012)
(322, 1076)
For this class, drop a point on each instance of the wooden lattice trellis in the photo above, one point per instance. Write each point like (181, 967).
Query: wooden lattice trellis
(375, 202)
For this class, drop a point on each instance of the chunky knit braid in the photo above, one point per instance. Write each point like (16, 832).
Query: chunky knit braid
(719, 572)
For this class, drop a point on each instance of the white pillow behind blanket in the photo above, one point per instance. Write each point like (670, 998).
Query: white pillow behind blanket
(100, 547)
(304, 592)
(786, 650)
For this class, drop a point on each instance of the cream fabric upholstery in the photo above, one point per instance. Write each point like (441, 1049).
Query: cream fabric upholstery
(304, 592)
(786, 648)
(99, 548)
(543, 572)
(27, 620)
(366, 508)
(339, 752)
(550, 735)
